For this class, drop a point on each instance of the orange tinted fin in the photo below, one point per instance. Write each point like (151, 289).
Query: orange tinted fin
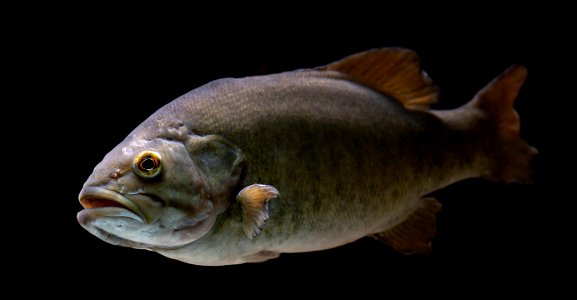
(512, 156)
(254, 202)
(414, 235)
(393, 71)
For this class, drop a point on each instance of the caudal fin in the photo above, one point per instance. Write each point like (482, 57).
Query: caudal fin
(510, 160)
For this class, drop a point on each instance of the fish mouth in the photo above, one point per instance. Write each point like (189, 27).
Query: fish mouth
(110, 203)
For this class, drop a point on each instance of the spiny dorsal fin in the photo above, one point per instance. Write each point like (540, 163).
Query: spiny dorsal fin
(414, 235)
(254, 202)
(393, 71)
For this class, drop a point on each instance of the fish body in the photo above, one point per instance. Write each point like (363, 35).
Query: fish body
(241, 170)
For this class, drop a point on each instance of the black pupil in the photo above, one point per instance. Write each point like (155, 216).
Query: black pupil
(147, 164)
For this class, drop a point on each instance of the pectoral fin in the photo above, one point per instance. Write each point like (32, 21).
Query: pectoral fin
(414, 235)
(254, 202)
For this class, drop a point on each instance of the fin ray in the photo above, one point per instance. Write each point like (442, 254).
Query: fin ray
(414, 235)
(513, 156)
(393, 71)
(254, 201)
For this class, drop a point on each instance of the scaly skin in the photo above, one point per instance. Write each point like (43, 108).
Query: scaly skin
(347, 161)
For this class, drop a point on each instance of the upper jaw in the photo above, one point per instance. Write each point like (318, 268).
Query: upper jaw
(96, 197)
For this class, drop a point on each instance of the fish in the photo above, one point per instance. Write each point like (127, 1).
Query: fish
(241, 170)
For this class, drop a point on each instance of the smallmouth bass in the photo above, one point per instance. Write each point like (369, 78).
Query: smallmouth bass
(241, 170)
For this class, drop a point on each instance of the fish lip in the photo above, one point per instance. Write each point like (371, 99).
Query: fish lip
(94, 192)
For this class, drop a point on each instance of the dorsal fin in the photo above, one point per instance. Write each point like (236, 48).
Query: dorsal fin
(392, 71)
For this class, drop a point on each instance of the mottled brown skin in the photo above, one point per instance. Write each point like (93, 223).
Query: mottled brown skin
(348, 162)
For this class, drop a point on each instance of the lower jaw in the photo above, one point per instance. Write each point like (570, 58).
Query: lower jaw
(116, 240)
(119, 241)
(182, 237)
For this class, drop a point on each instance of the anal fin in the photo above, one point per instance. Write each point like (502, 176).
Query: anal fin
(414, 235)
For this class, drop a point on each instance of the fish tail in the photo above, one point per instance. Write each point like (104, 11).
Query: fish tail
(508, 157)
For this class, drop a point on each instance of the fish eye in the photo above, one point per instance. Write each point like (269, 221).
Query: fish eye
(147, 164)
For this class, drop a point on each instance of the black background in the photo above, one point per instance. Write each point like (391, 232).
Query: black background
(89, 86)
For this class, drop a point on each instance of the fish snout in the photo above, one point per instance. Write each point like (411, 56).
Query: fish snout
(114, 175)
(92, 197)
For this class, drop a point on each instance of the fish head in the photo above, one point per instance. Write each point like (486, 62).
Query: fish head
(160, 192)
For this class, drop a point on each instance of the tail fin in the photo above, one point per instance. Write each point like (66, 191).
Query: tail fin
(511, 158)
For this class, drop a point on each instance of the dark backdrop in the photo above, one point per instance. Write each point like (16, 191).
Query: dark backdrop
(89, 88)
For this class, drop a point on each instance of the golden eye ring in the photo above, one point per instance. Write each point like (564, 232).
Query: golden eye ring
(147, 164)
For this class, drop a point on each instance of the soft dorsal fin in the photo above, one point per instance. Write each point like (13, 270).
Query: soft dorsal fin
(414, 235)
(393, 71)
(254, 203)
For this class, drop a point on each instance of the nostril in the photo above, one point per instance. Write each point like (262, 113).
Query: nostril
(117, 173)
